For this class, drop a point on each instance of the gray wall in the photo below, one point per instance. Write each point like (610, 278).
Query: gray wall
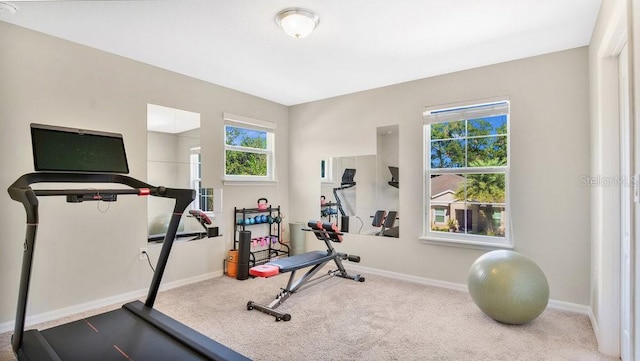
(549, 153)
(84, 255)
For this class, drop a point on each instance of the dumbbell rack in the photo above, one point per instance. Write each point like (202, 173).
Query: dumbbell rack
(261, 254)
(329, 212)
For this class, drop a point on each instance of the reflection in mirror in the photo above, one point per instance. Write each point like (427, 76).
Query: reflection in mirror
(339, 188)
(174, 160)
(360, 193)
(388, 180)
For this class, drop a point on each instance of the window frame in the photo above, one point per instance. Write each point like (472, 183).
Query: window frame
(439, 212)
(243, 122)
(430, 236)
(195, 165)
(327, 168)
(202, 194)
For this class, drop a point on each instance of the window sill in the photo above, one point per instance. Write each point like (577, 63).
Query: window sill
(449, 242)
(179, 240)
(246, 182)
(210, 214)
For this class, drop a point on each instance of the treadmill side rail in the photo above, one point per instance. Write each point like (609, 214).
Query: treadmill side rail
(195, 340)
(36, 348)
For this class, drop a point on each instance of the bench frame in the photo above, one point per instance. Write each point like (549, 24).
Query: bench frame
(316, 260)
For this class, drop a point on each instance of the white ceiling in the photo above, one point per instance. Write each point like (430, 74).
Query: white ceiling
(359, 44)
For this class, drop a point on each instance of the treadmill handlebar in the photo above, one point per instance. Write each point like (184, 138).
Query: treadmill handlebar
(22, 192)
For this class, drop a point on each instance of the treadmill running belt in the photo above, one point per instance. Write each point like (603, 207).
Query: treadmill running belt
(115, 335)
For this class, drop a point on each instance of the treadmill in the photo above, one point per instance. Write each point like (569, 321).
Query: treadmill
(136, 331)
(347, 182)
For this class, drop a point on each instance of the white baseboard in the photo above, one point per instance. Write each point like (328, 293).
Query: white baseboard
(594, 325)
(569, 306)
(92, 305)
(410, 278)
(190, 280)
(554, 304)
(125, 297)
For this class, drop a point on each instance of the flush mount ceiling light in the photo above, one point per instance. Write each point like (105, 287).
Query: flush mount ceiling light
(7, 8)
(297, 22)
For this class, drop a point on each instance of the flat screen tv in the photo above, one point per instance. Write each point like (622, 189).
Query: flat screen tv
(60, 149)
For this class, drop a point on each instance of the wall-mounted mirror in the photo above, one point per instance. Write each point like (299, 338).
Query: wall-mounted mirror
(388, 179)
(343, 191)
(174, 160)
(360, 193)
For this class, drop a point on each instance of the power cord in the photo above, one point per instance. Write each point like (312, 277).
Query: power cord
(361, 224)
(148, 260)
(100, 201)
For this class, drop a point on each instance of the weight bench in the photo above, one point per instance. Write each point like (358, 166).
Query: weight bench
(327, 232)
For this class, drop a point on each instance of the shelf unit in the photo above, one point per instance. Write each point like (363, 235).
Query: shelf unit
(260, 252)
(329, 212)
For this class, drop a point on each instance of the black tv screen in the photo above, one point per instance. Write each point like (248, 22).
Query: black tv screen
(59, 149)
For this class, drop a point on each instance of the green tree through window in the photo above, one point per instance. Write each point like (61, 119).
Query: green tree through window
(457, 144)
(244, 153)
(467, 168)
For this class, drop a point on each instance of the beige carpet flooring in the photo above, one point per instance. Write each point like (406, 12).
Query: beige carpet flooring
(380, 319)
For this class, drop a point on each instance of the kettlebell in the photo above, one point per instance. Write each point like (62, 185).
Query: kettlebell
(263, 204)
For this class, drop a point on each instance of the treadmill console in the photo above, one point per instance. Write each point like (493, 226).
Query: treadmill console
(60, 149)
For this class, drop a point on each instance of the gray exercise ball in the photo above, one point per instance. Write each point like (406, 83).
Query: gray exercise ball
(508, 286)
(160, 224)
